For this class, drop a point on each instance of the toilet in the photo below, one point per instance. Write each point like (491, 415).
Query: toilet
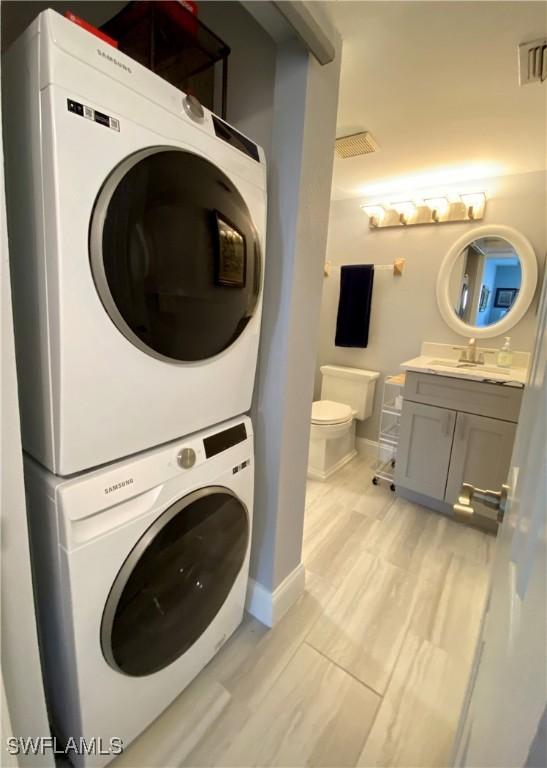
(347, 394)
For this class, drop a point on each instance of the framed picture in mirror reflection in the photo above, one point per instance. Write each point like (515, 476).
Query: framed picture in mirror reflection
(505, 297)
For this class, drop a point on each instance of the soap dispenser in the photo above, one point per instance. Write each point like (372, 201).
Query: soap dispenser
(505, 356)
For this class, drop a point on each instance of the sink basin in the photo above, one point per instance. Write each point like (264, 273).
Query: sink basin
(486, 368)
(445, 363)
(472, 366)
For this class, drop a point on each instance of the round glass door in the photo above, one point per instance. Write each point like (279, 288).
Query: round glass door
(174, 581)
(174, 255)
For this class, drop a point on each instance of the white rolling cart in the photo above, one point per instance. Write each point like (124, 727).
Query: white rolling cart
(388, 438)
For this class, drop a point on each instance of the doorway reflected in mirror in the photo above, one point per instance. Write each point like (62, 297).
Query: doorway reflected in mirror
(485, 281)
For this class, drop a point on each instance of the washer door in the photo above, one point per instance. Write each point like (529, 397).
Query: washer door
(174, 255)
(174, 581)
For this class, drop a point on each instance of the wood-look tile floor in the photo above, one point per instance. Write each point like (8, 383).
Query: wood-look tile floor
(368, 668)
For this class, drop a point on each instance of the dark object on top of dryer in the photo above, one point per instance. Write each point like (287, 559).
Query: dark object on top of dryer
(170, 40)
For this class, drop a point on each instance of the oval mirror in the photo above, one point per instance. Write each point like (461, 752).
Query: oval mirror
(487, 281)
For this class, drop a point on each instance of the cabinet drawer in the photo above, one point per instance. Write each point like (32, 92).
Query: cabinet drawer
(492, 400)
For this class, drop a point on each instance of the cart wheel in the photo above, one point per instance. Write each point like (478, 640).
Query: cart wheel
(374, 481)
(392, 487)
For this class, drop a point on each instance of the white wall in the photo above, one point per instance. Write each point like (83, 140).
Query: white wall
(404, 309)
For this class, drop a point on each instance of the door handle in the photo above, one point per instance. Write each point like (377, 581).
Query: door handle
(497, 500)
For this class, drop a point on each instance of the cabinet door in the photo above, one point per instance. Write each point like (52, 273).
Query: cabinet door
(481, 453)
(423, 453)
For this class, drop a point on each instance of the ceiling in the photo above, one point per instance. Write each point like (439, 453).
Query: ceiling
(497, 251)
(436, 83)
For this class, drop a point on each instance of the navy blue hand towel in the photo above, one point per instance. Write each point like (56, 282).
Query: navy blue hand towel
(354, 305)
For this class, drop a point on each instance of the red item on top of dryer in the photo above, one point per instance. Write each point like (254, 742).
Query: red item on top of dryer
(190, 5)
(183, 13)
(90, 28)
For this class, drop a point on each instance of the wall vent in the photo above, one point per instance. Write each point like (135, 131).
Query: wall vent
(356, 144)
(533, 62)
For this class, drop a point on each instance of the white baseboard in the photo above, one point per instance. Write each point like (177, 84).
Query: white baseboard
(315, 475)
(369, 449)
(269, 607)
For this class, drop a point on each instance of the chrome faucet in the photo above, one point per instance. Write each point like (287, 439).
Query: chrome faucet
(470, 353)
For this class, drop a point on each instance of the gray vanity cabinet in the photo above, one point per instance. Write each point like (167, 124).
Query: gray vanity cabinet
(453, 431)
(423, 453)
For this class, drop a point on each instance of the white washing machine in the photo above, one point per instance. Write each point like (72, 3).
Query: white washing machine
(137, 230)
(140, 573)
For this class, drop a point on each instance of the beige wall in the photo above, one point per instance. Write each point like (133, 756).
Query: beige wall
(404, 310)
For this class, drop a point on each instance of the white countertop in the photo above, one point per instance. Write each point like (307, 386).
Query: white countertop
(443, 360)
(514, 377)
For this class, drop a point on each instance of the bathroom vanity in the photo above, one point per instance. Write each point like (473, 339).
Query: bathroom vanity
(454, 430)
(461, 403)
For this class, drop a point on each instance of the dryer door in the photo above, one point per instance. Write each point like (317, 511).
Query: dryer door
(174, 254)
(174, 581)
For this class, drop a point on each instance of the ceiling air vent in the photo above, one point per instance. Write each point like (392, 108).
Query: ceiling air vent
(533, 62)
(356, 144)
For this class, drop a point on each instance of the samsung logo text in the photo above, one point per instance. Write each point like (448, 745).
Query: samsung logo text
(118, 486)
(114, 61)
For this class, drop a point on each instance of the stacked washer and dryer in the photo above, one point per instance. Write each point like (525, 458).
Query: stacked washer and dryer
(137, 228)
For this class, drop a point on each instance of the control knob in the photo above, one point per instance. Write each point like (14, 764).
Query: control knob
(193, 108)
(186, 458)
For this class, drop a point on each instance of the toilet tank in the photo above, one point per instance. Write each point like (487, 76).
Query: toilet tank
(353, 386)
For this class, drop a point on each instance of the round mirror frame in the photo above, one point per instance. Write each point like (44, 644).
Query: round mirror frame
(529, 269)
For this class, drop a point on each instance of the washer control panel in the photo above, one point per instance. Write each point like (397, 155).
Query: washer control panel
(221, 441)
(196, 451)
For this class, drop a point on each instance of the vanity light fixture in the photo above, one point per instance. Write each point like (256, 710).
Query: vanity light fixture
(433, 210)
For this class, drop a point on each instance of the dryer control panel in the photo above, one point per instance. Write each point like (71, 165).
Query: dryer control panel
(92, 114)
(221, 441)
(236, 139)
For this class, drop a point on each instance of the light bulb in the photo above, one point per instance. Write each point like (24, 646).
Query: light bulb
(474, 202)
(439, 206)
(406, 209)
(375, 213)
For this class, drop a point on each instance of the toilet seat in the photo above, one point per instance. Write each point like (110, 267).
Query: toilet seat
(328, 412)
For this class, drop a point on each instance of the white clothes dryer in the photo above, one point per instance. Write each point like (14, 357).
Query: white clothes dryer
(140, 573)
(137, 231)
